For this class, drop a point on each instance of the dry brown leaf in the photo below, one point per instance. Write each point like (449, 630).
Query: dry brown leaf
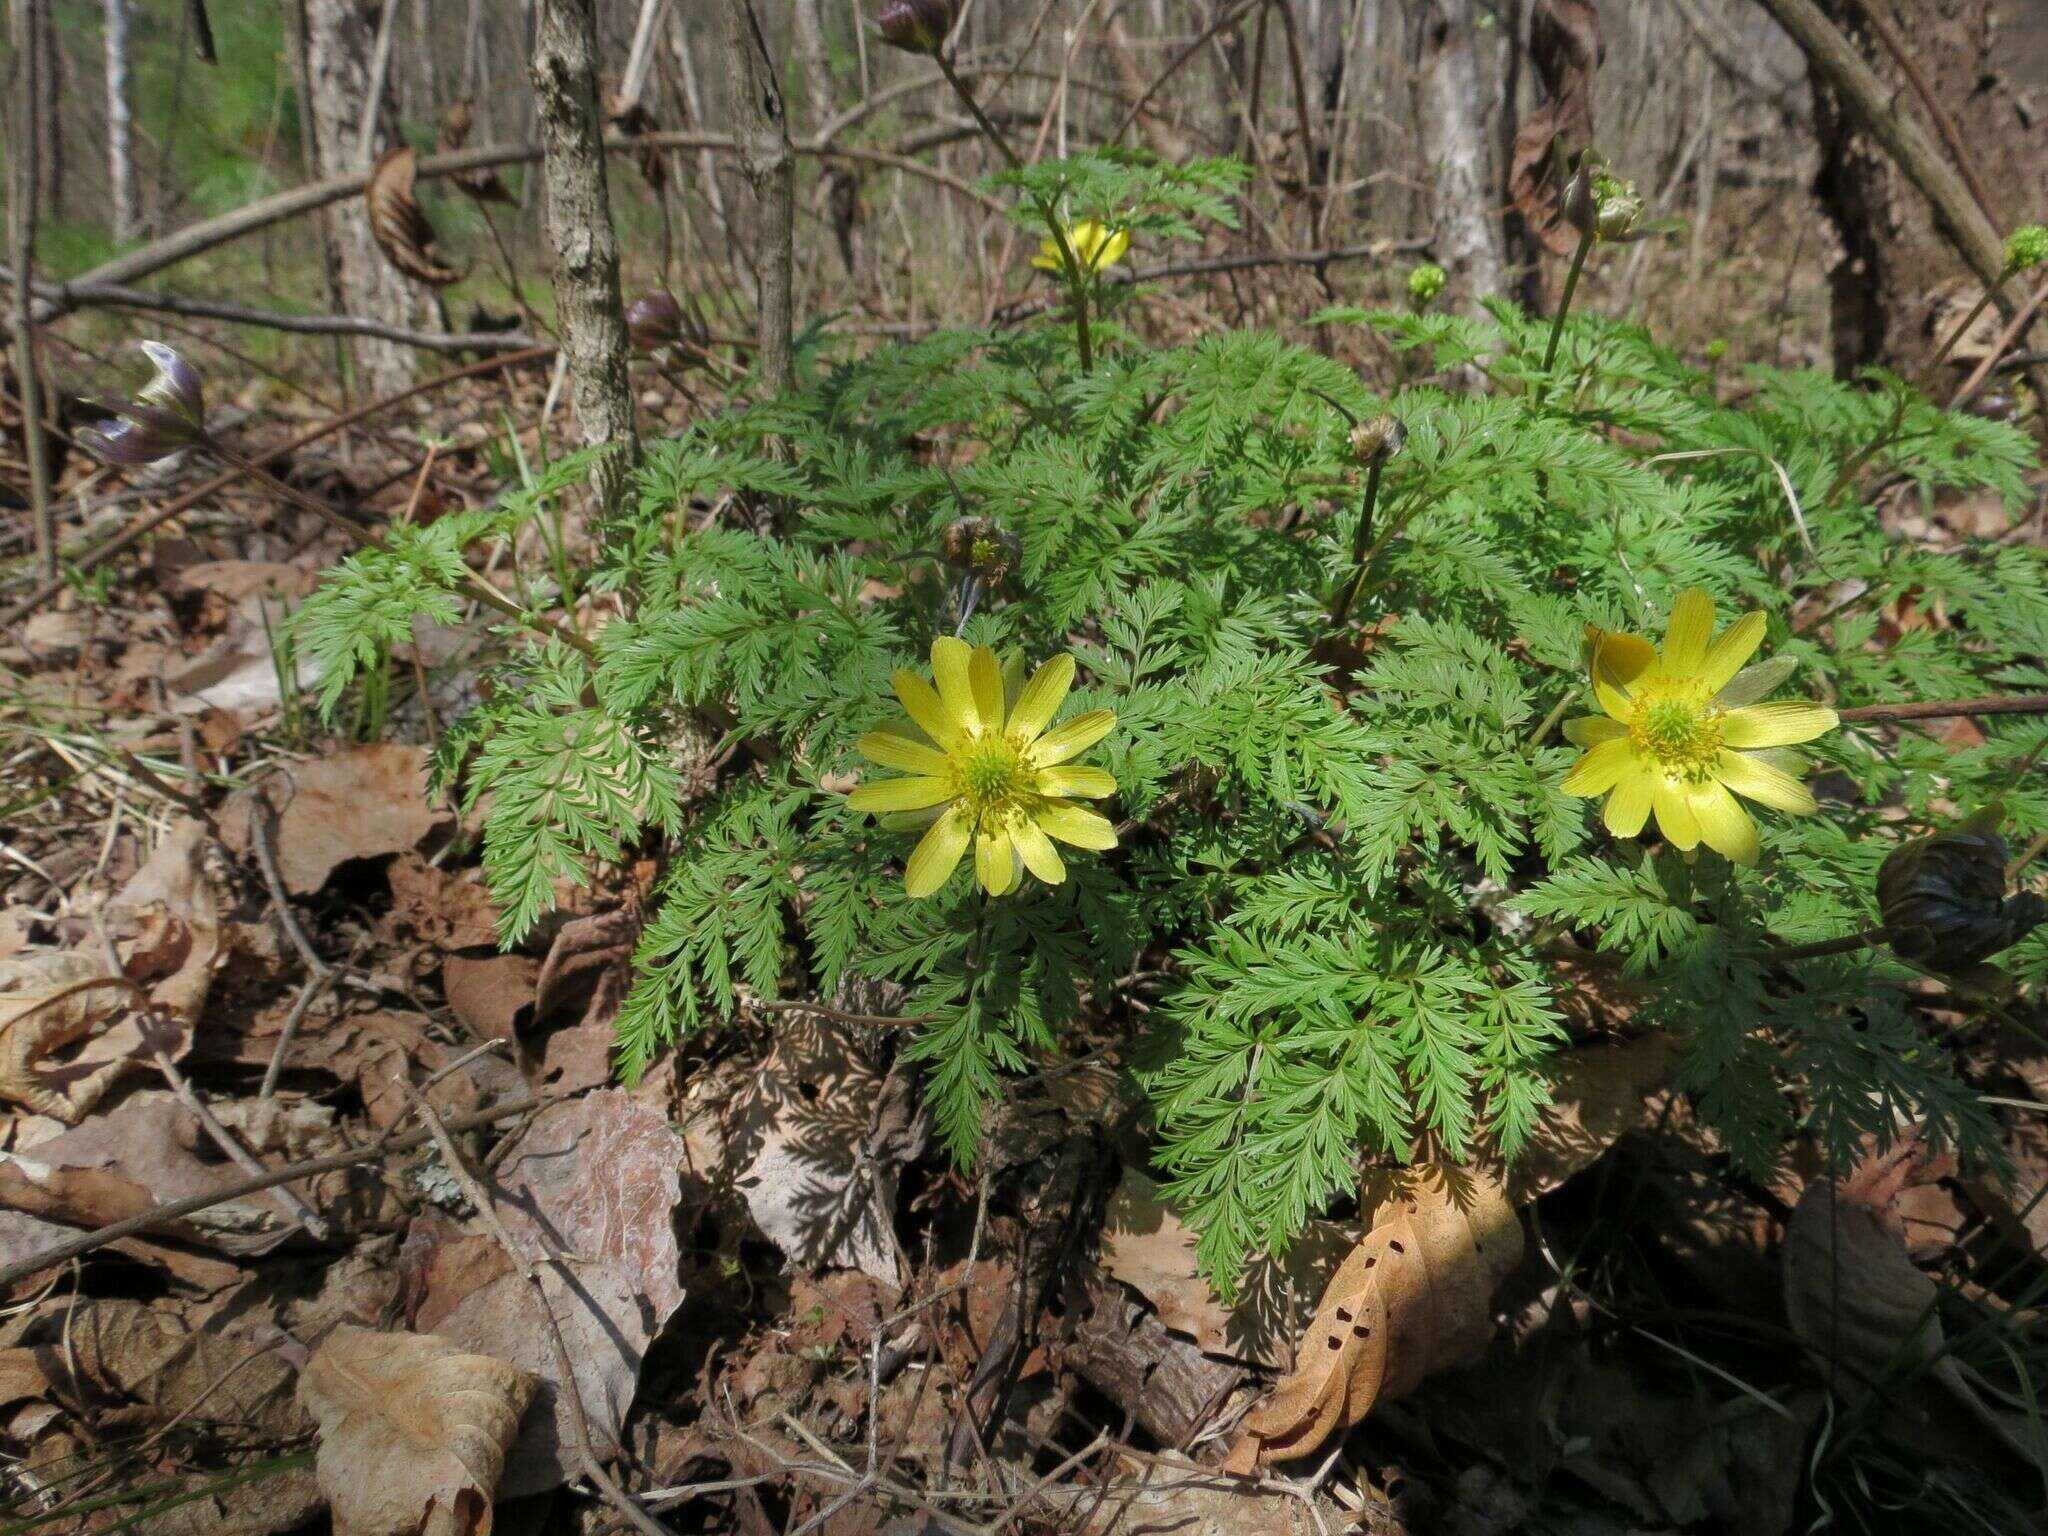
(485, 185)
(1860, 1304)
(491, 994)
(413, 1431)
(50, 1000)
(1416, 1294)
(445, 910)
(355, 804)
(1564, 45)
(595, 1178)
(399, 227)
(1413, 1297)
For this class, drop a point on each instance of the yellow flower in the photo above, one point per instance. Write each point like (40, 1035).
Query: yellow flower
(1685, 733)
(1095, 246)
(997, 777)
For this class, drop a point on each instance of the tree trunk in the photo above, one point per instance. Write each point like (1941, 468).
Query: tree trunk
(1899, 269)
(1453, 101)
(27, 21)
(839, 187)
(120, 126)
(49, 97)
(579, 216)
(338, 39)
(761, 127)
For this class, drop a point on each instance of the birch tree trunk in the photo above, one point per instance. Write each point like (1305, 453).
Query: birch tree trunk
(1452, 103)
(586, 248)
(337, 40)
(120, 126)
(761, 127)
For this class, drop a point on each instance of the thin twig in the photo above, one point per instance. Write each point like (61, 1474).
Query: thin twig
(1942, 709)
(566, 1389)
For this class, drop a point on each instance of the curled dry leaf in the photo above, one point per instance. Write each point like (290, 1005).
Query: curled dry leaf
(483, 184)
(399, 227)
(1416, 1294)
(1564, 44)
(48, 1001)
(413, 1431)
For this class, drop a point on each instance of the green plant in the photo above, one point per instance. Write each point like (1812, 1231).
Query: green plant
(1339, 918)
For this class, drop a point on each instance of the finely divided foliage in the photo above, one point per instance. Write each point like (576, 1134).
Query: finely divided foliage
(1346, 865)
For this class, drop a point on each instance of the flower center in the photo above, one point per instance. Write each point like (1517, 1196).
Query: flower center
(989, 772)
(1677, 735)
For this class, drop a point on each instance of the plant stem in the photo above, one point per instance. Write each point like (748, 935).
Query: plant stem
(989, 130)
(1564, 303)
(1362, 547)
(1848, 944)
(1550, 720)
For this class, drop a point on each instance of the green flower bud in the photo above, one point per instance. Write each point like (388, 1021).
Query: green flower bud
(982, 546)
(1426, 282)
(2026, 247)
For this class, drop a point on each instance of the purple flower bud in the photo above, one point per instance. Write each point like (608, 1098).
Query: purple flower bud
(917, 26)
(167, 413)
(654, 320)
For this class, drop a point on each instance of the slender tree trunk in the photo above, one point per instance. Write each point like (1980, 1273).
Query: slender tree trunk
(586, 248)
(49, 97)
(120, 125)
(838, 200)
(761, 126)
(339, 41)
(28, 20)
(1452, 110)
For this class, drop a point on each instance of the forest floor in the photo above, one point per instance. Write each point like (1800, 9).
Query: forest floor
(782, 1309)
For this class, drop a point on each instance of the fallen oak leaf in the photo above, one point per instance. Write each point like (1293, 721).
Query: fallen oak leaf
(397, 224)
(49, 1001)
(413, 1431)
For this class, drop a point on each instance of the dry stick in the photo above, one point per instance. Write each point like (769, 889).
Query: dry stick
(182, 503)
(1944, 124)
(173, 1210)
(566, 1387)
(1308, 143)
(2021, 319)
(1222, 23)
(27, 14)
(1942, 709)
(82, 295)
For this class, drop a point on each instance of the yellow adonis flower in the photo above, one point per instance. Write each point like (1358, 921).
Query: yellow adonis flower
(996, 776)
(1685, 731)
(1095, 246)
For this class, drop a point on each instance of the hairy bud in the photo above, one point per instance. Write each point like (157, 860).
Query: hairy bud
(982, 546)
(1944, 904)
(1378, 438)
(654, 320)
(917, 26)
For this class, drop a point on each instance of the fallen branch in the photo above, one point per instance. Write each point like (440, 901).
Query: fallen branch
(85, 295)
(173, 1210)
(1942, 709)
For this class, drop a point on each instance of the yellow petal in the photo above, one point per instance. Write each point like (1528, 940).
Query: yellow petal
(1725, 657)
(894, 751)
(952, 662)
(1048, 257)
(1687, 635)
(936, 854)
(1617, 661)
(985, 675)
(1041, 698)
(1038, 853)
(1113, 249)
(1075, 824)
(1724, 825)
(1755, 779)
(1675, 818)
(1776, 725)
(1591, 730)
(995, 862)
(1628, 807)
(1757, 682)
(1600, 769)
(1071, 739)
(921, 703)
(1071, 782)
(899, 795)
(1013, 682)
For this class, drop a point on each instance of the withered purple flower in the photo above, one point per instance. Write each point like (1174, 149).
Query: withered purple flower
(1944, 899)
(917, 26)
(166, 414)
